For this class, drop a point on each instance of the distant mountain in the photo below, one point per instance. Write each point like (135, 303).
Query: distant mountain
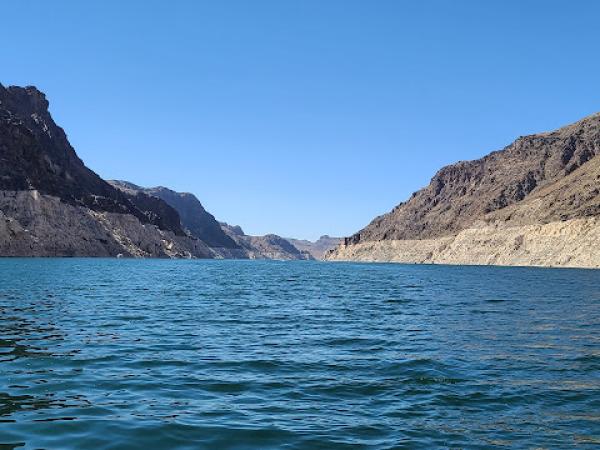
(51, 204)
(192, 214)
(224, 240)
(317, 248)
(269, 246)
(534, 202)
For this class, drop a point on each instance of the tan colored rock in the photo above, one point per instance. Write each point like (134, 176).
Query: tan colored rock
(572, 243)
(536, 202)
(32, 224)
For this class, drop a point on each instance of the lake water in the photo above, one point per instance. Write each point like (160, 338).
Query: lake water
(158, 354)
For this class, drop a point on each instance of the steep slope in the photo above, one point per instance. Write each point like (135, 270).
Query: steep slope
(269, 246)
(462, 193)
(53, 205)
(35, 154)
(318, 248)
(577, 195)
(225, 241)
(33, 224)
(194, 217)
(535, 202)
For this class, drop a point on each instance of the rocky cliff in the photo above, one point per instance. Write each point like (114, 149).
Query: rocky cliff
(225, 241)
(269, 246)
(534, 202)
(318, 248)
(36, 155)
(51, 204)
(199, 222)
(35, 224)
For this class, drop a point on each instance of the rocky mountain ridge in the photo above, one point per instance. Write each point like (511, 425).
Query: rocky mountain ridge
(269, 246)
(224, 240)
(35, 154)
(192, 215)
(462, 193)
(51, 204)
(318, 248)
(535, 181)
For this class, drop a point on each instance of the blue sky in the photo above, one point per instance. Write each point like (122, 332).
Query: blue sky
(301, 117)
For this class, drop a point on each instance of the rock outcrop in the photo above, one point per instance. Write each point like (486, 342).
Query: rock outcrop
(317, 248)
(199, 222)
(51, 204)
(35, 154)
(536, 202)
(34, 224)
(224, 241)
(269, 246)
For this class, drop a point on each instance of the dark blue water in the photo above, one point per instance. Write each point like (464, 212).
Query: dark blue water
(153, 354)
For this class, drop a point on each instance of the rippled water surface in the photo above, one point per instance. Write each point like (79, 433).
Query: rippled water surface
(153, 354)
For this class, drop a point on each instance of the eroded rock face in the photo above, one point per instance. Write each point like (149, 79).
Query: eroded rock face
(51, 204)
(572, 243)
(476, 212)
(199, 222)
(35, 154)
(465, 192)
(34, 224)
(269, 246)
(318, 248)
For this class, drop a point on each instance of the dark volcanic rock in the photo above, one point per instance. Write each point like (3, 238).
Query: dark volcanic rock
(158, 212)
(463, 193)
(232, 230)
(36, 155)
(269, 246)
(194, 217)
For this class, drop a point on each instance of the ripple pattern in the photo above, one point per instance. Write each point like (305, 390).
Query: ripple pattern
(156, 354)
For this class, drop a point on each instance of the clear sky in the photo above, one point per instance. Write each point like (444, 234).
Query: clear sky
(301, 117)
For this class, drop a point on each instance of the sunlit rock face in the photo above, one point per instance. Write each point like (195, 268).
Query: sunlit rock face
(52, 204)
(537, 180)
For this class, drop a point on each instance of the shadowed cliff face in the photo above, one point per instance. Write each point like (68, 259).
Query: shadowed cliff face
(461, 194)
(51, 204)
(35, 154)
(202, 225)
(269, 246)
(194, 217)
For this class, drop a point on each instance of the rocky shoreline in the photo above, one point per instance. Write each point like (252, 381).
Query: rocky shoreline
(572, 243)
(51, 204)
(534, 203)
(35, 224)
